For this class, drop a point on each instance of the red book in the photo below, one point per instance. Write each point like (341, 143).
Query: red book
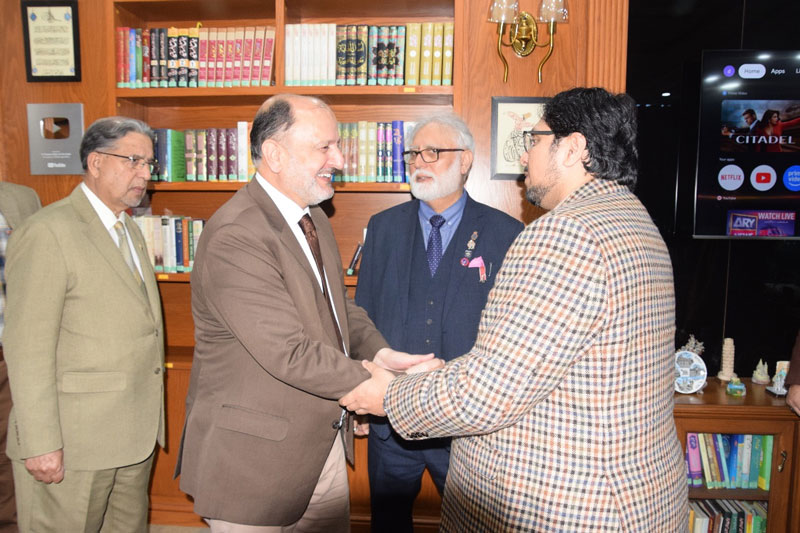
(222, 154)
(258, 53)
(211, 73)
(185, 221)
(233, 162)
(238, 46)
(122, 55)
(247, 54)
(266, 62)
(146, 57)
(202, 57)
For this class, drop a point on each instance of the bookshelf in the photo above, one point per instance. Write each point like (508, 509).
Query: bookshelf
(216, 107)
(757, 413)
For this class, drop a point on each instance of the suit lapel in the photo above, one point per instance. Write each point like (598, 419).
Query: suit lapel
(470, 222)
(330, 250)
(148, 275)
(403, 251)
(100, 239)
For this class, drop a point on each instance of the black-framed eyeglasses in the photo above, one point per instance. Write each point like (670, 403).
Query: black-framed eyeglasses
(529, 140)
(429, 155)
(136, 162)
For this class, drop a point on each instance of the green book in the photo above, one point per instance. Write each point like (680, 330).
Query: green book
(765, 469)
(755, 461)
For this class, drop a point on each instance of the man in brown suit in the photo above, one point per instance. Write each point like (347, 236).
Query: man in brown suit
(276, 340)
(17, 202)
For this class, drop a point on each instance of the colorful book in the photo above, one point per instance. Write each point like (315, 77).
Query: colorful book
(399, 56)
(372, 151)
(391, 55)
(238, 50)
(755, 461)
(183, 57)
(172, 57)
(695, 467)
(437, 49)
(413, 48)
(230, 54)
(350, 63)
(145, 57)
(211, 72)
(211, 154)
(361, 57)
(122, 54)
(383, 54)
(202, 57)
(372, 62)
(269, 52)
(194, 56)
(201, 157)
(138, 79)
(765, 468)
(232, 152)
(721, 448)
(398, 145)
(155, 56)
(426, 54)
(447, 54)
(362, 151)
(247, 54)
(190, 153)
(222, 154)
(744, 454)
(258, 54)
(219, 75)
(341, 54)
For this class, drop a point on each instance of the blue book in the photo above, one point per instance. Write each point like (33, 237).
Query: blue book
(178, 244)
(733, 458)
(722, 457)
(132, 57)
(398, 145)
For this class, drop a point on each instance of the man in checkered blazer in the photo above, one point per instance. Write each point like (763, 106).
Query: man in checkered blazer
(563, 408)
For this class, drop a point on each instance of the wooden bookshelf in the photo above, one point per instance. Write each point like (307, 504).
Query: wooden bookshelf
(757, 413)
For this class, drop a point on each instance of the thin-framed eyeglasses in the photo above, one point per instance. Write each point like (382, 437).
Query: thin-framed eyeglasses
(136, 162)
(429, 155)
(529, 139)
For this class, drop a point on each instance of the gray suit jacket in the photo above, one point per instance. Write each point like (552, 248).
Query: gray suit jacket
(267, 371)
(84, 346)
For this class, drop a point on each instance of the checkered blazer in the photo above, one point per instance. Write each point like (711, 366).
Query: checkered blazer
(563, 407)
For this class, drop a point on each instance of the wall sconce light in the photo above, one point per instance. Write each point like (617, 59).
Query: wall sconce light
(522, 29)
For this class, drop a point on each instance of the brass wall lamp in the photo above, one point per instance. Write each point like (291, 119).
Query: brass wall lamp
(523, 32)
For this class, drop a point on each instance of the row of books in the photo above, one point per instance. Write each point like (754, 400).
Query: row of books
(727, 516)
(171, 241)
(373, 151)
(331, 54)
(212, 154)
(194, 57)
(729, 461)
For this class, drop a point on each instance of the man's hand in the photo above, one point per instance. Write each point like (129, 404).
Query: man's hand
(47, 468)
(399, 361)
(367, 398)
(361, 425)
(793, 398)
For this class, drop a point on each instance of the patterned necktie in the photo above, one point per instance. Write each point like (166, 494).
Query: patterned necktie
(434, 250)
(310, 231)
(125, 250)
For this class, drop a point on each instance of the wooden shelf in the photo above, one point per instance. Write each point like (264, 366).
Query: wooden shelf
(696, 493)
(211, 186)
(172, 277)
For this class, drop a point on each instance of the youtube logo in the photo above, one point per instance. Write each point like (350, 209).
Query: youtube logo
(763, 178)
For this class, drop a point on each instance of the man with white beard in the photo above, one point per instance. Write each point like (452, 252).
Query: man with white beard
(427, 269)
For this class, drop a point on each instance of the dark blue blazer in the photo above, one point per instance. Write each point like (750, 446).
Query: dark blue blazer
(385, 274)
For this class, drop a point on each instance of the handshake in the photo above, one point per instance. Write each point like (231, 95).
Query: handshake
(367, 398)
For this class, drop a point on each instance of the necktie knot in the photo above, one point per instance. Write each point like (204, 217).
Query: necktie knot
(437, 221)
(307, 225)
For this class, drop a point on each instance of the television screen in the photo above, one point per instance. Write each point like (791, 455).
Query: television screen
(748, 158)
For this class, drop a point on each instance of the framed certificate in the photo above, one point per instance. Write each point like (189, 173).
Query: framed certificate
(52, 40)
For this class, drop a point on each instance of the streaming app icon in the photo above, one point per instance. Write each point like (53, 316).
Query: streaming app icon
(763, 178)
(791, 178)
(731, 177)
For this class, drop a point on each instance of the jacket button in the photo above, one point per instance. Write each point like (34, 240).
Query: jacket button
(336, 424)
(157, 370)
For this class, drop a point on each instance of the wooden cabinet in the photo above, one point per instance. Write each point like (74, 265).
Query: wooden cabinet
(757, 413)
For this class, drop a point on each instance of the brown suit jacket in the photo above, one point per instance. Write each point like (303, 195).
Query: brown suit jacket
(267, 371)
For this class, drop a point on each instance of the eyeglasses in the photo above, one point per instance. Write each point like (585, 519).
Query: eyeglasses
(429, 155)
(528, 140)
(136, 162)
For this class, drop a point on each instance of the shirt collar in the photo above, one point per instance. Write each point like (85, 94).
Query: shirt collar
(103, 211)
(288, 208)
(449, 214)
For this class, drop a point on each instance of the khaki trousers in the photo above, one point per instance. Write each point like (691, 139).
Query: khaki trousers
(107, 501)
(329, 508)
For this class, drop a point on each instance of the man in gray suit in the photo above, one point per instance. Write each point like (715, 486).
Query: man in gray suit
(276, 340)
(84, 345)
(17, 202)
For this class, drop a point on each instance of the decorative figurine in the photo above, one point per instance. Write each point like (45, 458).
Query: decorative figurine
(736, 388)
(761, 375)
(726, 373)
(692, 345)
(778, 388)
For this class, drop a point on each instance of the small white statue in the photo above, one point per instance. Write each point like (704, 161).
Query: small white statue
(726, 373)
(781, 369)
(761, 375)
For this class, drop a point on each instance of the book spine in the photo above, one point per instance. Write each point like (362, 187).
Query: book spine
(380, 177)
(187, 243)
(168, 245)
(247, 55)
(172, 57)
(177, 223)
(258, 53)
(183, 57)
(194, 56)
(695, 466)
(362, 151)
(161, 154)
(200, 155)
(269, 52)
(177, 148)
(155, 57)
(712, 460)
(372, 56)
(132, 58)
(219, 75)
(222, 154)
(733, 456)
(413, 46)
(211, 71)
(238, 50)
(426, 54)
(437, 49)
(145, 57)
(351, 67)
(361, 55)
(447, 54)
(211, 151)
(398, 145)
(163, 57)
(202, 57)
(241, 150)
(722, 459)
(190, 154)
(372, 151)
(745, 453)
(139, 58)
(383, 54)
(391, 56)
(765, 467)
(399, 56)
(331, 61)
(341, 54)
(755, 461)
(251, 167)
(122, 42)
(233, 154)
(304, 44)
(230, 55)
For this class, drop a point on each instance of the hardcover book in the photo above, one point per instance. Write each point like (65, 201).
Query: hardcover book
(413, 47)
(145, 58)
(350, 65)
(399, 56)
(447, 54)
(341, 54)
(211, 153)
(194, 56)
(247, 54)
(172, 57)
(438, 43)
(202, 57)
(426, 54)
(183, 57)
(362, 40)
(269, 52)
(238, 49)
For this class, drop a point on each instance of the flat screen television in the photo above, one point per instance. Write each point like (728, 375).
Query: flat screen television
(747, 184)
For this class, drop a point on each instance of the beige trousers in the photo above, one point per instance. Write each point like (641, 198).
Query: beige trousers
(329, 508)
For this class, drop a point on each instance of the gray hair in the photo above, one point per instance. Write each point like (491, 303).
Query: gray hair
(105, 132)
(274, 118)
(448, 120)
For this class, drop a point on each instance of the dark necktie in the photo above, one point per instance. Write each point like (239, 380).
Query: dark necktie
(435, 243)
(310, 231)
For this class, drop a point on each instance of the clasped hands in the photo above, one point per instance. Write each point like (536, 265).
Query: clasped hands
(367, 398)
